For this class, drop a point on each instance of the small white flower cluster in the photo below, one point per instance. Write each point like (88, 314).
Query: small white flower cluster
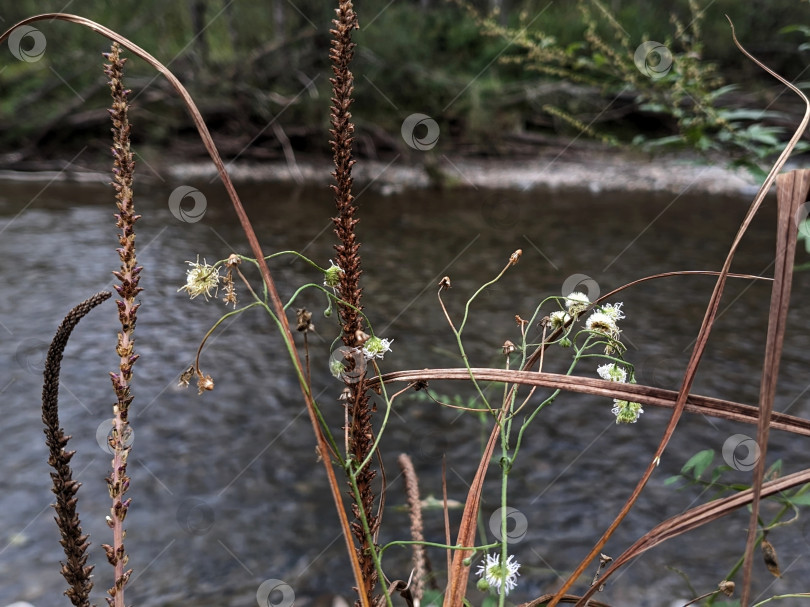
(625, 411)
(612, 372)
(376, 347)
(605, 320)
(502, 577)
(576, 302)
(559, 319)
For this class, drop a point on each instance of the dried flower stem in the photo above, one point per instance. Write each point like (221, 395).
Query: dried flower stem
(128, 275)
(360, 432)
(415, 512)
(74, 542)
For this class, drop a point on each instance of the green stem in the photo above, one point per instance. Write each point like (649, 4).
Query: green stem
(375, 556)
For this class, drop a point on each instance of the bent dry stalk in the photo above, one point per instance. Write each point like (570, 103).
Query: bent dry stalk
(75, 571)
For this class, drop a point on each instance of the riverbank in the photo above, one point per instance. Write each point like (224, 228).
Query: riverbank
(592, 170)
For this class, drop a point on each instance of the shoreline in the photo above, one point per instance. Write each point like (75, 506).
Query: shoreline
(594, 172)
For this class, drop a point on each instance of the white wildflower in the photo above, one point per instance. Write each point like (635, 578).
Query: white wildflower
(613, 310)
(626, 412)
(501, 577)
(599, 322)
(576, 302)
(558, 319)
(376, 347)
(612, 372)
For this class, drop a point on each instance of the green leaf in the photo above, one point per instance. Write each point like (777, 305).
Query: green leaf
(748, 114)
(698, 463)
(432, 598)
(800, 500)
(795, 28)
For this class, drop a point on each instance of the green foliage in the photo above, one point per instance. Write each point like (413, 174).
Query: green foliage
(671, 81)
(248, 69)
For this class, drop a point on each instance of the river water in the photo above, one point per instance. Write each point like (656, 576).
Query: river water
(226, 489)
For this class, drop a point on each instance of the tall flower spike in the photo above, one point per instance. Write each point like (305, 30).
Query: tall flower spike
(360, 431)
(128, 275)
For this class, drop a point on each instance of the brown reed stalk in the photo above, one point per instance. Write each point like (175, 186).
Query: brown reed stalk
(128, 275)
(360, 432)
(75, 571)
(420, 563)
(348, 257)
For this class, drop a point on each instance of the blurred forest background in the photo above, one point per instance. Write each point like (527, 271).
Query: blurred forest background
(501, 77)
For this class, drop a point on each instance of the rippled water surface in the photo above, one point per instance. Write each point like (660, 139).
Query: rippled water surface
(226, 488)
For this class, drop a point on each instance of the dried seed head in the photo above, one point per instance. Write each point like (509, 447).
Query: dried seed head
(233, 260)
(204, 382)
(444, 283)
(201, 279)
(726, 587)
(185, 377)
(508, 348)
(360, 337)
(520, 321)
(230, 291)
(514, 257)
(769, 556)
(304, 319)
